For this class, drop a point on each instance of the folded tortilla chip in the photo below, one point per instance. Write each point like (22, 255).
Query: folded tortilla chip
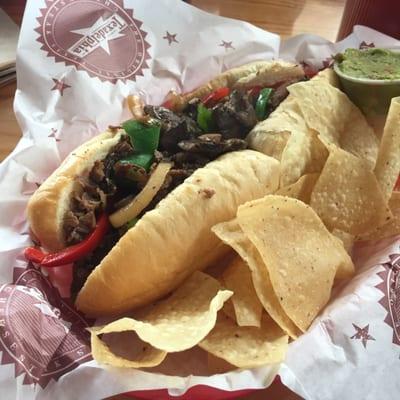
(146, 356)
(304, 153)
(232, 234)
(179, 322)
(338, 122)
(271, 135)
(300, 190)
(301, 255)
(285, 136)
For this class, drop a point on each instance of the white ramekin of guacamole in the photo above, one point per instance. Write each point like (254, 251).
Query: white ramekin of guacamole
(370, 77)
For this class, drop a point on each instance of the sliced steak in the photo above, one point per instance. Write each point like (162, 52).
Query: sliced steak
(85, 266)
(174, 127)
(92, 193)
(235, 117)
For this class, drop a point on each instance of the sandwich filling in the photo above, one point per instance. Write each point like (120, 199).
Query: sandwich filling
(156, 152)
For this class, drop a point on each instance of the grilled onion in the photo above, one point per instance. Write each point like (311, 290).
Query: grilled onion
(143, 199)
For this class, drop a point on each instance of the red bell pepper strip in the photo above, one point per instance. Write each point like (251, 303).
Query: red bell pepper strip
(34, 254)
(255, 91)
(71, 253)
(214, 97)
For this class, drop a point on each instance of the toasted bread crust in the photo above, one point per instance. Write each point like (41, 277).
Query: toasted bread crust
(262, 73)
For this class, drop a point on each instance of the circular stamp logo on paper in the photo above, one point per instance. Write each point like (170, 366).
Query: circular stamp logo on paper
(390, 287)
(100, 37)
(40, 333)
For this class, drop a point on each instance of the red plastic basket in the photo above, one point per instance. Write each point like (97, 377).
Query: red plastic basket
(200, 392)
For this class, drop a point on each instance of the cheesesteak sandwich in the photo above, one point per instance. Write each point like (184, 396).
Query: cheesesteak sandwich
(133, 208)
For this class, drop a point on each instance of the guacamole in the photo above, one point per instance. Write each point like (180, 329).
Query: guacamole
(370, 63)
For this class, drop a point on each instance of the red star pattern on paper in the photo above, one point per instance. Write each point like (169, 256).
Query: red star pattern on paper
(227, 45)
(170, 37)
(53, 134)
(364, 45)
(60, 85)
(363, 334)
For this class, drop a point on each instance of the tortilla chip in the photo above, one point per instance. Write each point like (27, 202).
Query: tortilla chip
(217, 365)
(315, 99)
(337, 120)
(387, 167)
(303, 153)
(329, 75)
(286, 137)
(231, 233)
(392, 228)
(180, 321)
(271, 135)
(247, 307)
(246, 346)
(359, 138)
(300, 190)
(301, 255)
(146, 357)
(347, 195)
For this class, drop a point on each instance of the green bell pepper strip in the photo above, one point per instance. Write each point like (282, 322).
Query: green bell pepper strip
(204, 118)
(144, 137)
(142, 160)
(262, 101)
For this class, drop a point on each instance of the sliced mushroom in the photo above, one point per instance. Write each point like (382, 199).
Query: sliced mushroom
(212, 148)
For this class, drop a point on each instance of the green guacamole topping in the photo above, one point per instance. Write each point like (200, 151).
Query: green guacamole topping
(370, 63)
